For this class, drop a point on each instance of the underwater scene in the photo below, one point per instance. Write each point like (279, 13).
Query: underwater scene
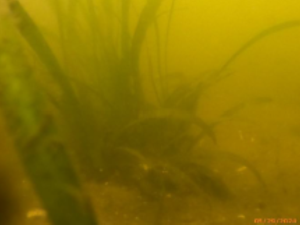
(149, 112)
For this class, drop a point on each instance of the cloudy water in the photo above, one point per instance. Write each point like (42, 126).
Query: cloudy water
(149, 112)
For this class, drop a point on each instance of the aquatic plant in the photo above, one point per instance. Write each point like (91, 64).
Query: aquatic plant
(36, 138)
(116, 132)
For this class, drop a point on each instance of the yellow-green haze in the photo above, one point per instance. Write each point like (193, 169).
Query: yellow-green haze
(150, 111)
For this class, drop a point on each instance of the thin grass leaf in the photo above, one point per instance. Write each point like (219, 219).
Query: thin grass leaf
(240, 106)
(168, 29)
(225, 155)
(59, 11)
(146, 17)
(151, 72)
(219, 75)
(159, 62)
(35, 39)
(207, 179)
(186, 96)
(125, 38)
(175, 115)
(265, 33)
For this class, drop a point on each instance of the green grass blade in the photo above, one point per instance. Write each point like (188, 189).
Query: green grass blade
(225, 155)
(260, 36)
(161, 81)
(168, 29)
(147, 17)
(125, 38)
(37, 42)
(175, 115)
(265, 33)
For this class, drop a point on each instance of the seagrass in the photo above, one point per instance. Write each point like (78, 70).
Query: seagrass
(37, 140)
(123, 136)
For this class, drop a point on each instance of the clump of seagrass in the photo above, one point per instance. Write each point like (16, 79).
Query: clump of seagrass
(155, 150)
(36, 138)
(105, 105)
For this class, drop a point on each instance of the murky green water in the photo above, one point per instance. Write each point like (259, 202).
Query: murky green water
(149, 112)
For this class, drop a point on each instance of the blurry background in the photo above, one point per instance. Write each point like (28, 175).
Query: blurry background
(265, 80)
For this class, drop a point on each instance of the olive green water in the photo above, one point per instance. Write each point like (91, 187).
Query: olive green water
(170, 112)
